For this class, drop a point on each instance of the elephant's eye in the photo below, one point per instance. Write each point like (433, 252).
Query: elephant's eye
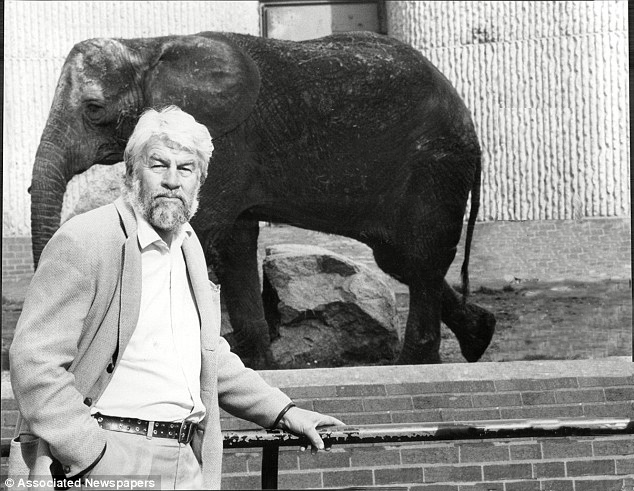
(95, 112)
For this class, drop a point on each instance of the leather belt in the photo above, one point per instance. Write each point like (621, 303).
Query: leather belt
(183, 432)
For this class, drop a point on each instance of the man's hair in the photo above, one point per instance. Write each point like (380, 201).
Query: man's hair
(168, 124)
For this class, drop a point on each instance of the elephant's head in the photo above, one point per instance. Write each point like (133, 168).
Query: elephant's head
(105, 85)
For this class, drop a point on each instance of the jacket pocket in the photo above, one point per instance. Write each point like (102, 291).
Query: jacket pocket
(22, 456)
(197, 444)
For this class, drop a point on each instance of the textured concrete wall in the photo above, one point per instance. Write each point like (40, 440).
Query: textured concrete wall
(38, 37)
(547, 83)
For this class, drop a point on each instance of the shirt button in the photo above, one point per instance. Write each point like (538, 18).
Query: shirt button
(88, 401)
(66, 469)
(110, 367)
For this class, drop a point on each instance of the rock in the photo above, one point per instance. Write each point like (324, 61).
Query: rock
(327, 309)
(561, 288)
(97, 186)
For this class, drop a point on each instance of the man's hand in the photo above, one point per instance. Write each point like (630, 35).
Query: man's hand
(302, 422)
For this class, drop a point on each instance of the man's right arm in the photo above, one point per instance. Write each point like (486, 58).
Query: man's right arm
(45, 345)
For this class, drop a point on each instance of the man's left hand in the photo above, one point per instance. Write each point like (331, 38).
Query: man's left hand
(302, 422)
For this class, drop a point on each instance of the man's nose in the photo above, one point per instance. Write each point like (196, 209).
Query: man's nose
(171, 178)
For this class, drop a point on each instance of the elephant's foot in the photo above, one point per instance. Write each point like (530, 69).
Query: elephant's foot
(419, 353)
(253, 346)
(474, 331)
(261, 362)
(257, 359)
(409, 358)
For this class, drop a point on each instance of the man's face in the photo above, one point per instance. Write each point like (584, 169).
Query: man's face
(166, 185)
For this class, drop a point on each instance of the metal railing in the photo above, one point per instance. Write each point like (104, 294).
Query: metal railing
(271, 440)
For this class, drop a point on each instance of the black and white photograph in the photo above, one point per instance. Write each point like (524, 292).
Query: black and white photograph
(317, 244)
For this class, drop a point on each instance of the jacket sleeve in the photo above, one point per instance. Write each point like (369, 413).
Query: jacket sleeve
(243, 393)
(45, 345)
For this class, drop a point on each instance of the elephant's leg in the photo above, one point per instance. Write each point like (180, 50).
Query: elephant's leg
(242, 294)
(473, 325)
(421, 342)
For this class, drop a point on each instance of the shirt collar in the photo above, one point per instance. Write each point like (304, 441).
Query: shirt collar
(148, 235)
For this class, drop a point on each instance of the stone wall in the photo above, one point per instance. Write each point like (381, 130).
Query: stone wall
(452, 392)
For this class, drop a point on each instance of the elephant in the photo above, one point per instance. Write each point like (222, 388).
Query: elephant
(353, 134)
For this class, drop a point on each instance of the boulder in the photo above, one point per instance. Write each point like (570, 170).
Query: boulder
(326, 310)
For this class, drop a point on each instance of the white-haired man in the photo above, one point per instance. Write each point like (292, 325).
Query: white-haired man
(117, 363)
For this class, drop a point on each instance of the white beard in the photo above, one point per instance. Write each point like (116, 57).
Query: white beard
(164, 214)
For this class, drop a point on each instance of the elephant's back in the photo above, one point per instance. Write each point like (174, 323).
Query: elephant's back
(365, 59)
(359, 86)
(339, 118)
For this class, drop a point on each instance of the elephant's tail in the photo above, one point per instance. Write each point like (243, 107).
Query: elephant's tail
(473, 214)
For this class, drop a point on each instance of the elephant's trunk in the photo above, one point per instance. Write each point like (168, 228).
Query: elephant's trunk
(47, 194)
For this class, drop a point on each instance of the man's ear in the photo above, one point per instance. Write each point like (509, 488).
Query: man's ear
(210, 78)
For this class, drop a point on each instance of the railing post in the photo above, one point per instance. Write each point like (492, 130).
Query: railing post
(270, 459)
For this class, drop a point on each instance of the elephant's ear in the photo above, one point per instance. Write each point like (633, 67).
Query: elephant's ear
(210, 78)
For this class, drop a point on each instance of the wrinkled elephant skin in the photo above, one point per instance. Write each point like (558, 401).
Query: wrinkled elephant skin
(353, 134)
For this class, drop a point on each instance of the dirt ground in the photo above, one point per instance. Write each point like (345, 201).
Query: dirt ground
(554, 321)
(543, 319)
(537, 319)
(546, 321)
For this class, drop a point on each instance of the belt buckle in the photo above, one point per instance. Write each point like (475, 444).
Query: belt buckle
(186, 432)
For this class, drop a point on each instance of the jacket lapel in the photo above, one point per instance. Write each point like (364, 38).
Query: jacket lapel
(197, 270)
(131, 283)
(130, 299)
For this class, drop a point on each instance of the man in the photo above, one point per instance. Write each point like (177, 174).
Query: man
(117, 363)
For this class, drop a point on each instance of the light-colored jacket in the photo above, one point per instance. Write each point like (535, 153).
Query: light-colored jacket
(78, 316)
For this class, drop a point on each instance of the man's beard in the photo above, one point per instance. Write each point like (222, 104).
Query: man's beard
(160, 212)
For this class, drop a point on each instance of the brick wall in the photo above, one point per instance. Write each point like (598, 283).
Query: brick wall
(592, 248)
(588, 249)
(366, 395)
(17, 260)
(452, 392)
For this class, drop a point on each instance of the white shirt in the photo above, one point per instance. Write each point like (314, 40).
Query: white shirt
(158, 374)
